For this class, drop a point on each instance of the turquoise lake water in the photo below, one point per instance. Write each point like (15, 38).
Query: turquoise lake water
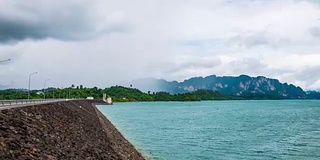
(229, 130)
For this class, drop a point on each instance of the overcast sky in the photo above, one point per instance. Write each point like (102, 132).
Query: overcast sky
(103, 42)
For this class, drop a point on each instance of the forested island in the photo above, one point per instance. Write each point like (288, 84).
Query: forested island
(243, 86)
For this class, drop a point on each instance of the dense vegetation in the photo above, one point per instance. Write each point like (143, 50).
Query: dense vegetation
(313, 94)
(124, 94)
(118, 94)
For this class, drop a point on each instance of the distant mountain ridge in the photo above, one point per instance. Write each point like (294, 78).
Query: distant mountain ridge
(244, 86)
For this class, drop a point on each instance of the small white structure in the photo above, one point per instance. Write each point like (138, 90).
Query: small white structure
(109, 101)
(91, 98)
(39, 93)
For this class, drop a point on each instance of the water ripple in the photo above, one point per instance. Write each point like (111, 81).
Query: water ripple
(228, 130)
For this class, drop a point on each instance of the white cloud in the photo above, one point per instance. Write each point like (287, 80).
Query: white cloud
(104, 43)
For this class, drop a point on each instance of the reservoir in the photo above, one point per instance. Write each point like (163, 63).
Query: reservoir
(230, 130)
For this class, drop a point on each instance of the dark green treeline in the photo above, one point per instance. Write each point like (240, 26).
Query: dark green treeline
(118, 94)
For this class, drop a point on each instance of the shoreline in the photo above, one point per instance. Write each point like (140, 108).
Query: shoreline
(62, 130)
(222, 100)
(144, 154)
(109, 126)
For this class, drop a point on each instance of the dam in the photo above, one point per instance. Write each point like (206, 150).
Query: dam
(73, 129)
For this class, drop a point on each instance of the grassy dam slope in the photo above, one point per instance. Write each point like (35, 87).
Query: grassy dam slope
(61, 130)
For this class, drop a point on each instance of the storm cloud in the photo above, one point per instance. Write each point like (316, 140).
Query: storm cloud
(103, 42)
(63, 20)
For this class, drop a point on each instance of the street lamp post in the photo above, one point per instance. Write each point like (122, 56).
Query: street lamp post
(44, 88)
(59, 93)
(30, 83)
(54, 89)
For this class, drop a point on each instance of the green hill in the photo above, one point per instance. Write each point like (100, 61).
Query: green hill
(117, 93)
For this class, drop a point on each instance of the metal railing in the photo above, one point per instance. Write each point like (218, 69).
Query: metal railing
(26, 101)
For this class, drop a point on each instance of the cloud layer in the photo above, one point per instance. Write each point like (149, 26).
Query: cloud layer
(102, 42)
(70, 20)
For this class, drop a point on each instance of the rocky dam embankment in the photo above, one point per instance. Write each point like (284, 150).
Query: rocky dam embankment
(61, 130)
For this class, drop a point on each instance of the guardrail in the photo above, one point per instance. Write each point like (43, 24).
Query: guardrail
(26, 101)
